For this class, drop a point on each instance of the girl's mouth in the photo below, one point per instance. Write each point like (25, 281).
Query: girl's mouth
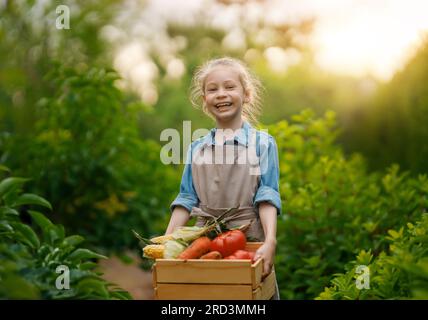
(223, 105)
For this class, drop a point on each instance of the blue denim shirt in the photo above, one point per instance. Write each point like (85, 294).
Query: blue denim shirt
(267, 151)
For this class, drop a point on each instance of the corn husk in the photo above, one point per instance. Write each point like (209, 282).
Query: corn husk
(189, 234)
(173, 248)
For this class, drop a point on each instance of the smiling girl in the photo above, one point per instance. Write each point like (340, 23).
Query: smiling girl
(229, 93)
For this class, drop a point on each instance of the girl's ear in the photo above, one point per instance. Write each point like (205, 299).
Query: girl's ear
(247, 96)
(204, 101)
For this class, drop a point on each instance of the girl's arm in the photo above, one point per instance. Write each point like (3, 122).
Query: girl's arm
(268, 216)
(269, 202)
(179, 217)
(186, 199)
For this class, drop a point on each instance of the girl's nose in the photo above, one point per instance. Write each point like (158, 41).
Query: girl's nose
(221, 92)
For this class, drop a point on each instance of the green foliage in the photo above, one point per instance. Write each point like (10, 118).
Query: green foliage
(29, 42)
(400, 272)
(87, 157)
(79, 139)
(31, 253)
(332, 208)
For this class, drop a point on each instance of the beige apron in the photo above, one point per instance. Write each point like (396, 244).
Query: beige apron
(222, 179)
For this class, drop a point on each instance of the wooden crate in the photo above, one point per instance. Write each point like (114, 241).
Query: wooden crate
(196, 279)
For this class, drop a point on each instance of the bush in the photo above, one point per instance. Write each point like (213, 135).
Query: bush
(87, 157)
(30, 258)
(400, 272)
(332, 208)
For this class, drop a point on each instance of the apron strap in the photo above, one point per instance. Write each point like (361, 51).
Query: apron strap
(207, 213)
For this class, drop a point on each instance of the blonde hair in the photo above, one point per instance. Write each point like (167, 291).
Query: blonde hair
(251, 84)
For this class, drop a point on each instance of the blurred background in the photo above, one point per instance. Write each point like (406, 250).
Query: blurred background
(81, 111)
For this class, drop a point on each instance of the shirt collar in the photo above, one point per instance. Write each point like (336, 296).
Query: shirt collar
(241, 137)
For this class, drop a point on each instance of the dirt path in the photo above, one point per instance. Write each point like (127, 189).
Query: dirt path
(129, 277)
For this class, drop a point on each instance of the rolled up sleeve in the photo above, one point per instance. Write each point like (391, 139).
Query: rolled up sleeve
(268, 190)
(187, 196)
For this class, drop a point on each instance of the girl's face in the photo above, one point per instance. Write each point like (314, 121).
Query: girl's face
(224, 94)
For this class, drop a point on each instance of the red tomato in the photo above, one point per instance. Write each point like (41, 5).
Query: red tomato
(231, 257)
(228, 242)
(241, 255)
(252, 254)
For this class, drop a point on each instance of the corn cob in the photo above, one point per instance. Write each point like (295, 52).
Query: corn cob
(162, 239)
(154, 251)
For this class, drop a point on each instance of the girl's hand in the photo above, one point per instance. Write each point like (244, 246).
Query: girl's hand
(267, 253)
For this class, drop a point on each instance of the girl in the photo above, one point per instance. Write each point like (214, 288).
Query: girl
(230, 95)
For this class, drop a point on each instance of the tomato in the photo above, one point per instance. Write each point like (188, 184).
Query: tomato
(228, 242)
(241, 254)
(231, 257)
(252, 254)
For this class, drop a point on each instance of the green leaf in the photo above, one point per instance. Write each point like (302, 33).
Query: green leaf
(29, 198)
(120, 295)
(88, 265)
(94, 286)
(73, 240)
(28, 234)
(9, 184)
(10, 211)
(81, 254)
(313, 261)
(394, 234)
(53, 234)
(16, 287)
(40, 219)
(364, 257)
(4, 168)
(60, 231)
(5, 226)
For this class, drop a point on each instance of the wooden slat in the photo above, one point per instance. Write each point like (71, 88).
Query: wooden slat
(268, 286)
(154, 277)
(253, 246)
(256, 273)
(200, 271)
(257, 267)
(169, 291)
